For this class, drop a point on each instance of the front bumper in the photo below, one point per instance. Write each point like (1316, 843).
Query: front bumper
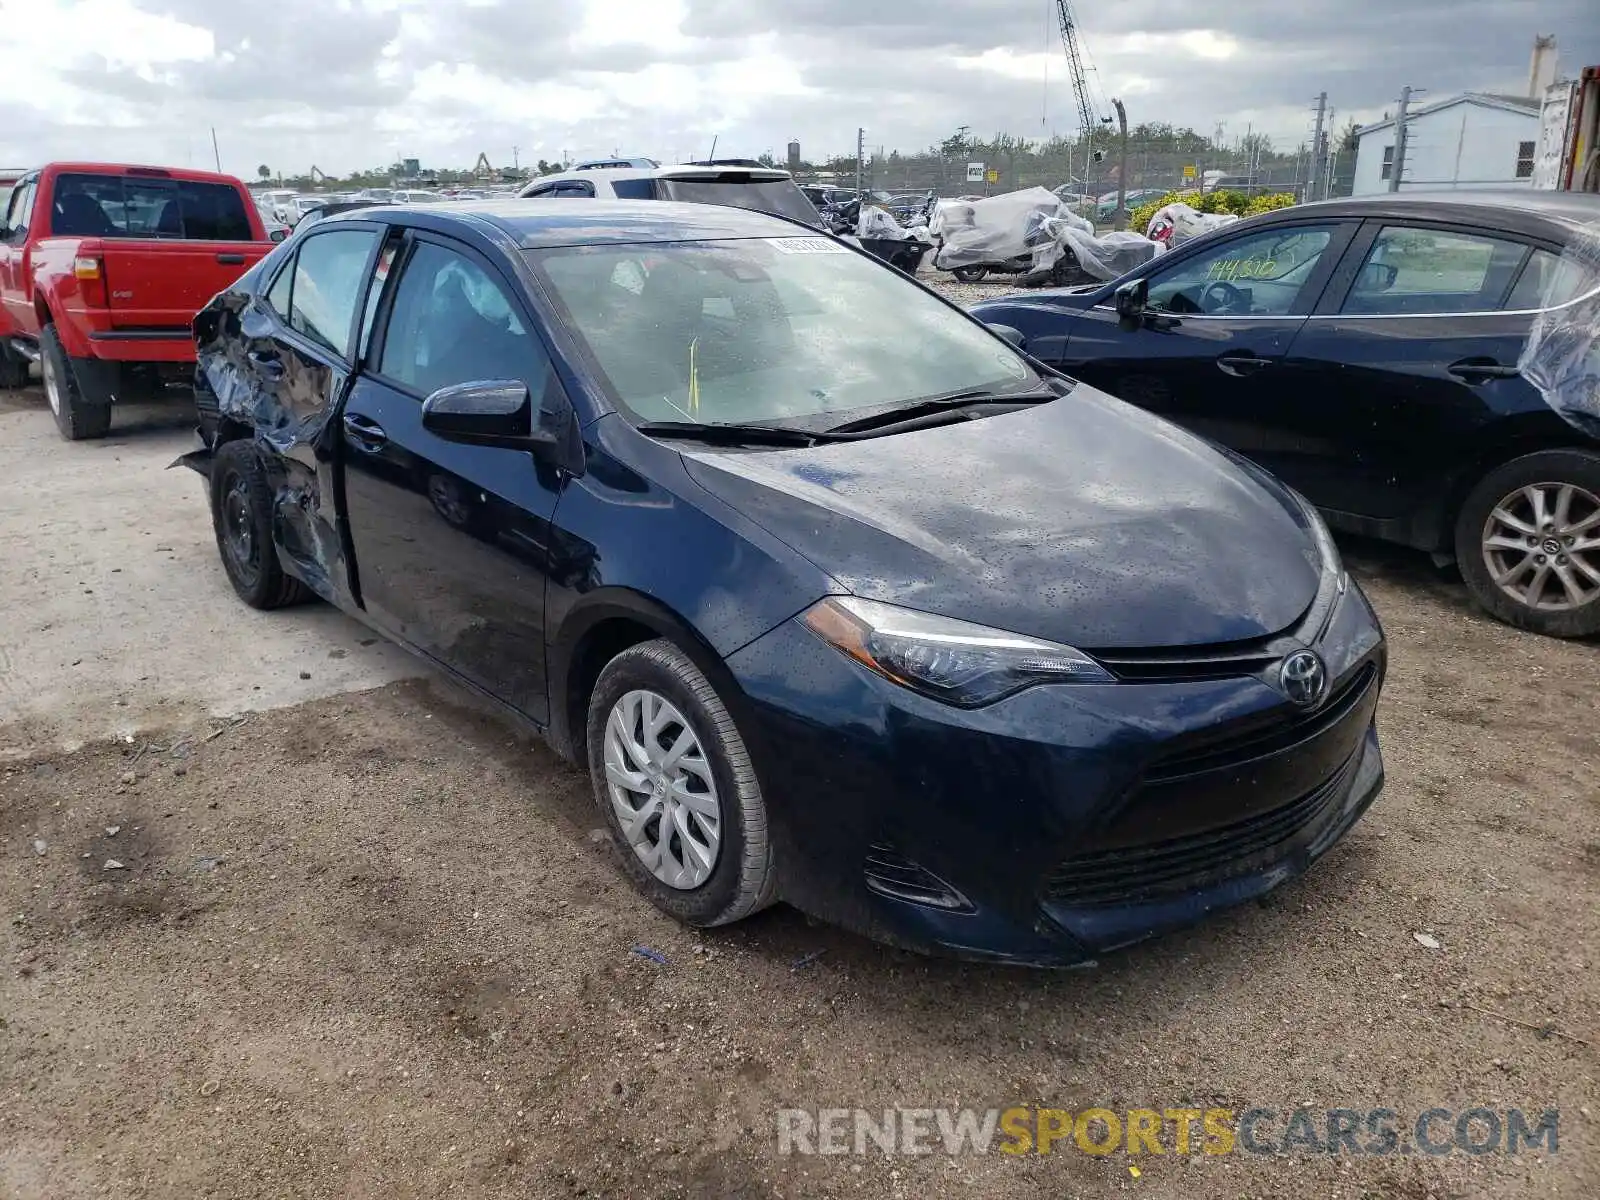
(1062, 822)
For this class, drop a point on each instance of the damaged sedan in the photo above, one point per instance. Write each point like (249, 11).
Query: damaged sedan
(838, 598)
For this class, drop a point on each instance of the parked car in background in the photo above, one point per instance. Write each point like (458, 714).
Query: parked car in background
(1367, 352)
(297, 208)
(1106, 206)
(416, 196)
(101, 268)
(381, 194)
(840, 599)
(341, 206)
(758, 188)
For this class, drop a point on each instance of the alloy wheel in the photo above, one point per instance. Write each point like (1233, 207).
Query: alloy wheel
(661, 788)
(52, 382)
(1541, 545)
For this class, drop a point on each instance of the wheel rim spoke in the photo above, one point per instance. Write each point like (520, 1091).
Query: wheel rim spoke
(662, 790)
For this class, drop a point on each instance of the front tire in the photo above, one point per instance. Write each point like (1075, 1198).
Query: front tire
(77, 416)
(676, 788)
(970, 274)
(1528, 541)
(241, 515)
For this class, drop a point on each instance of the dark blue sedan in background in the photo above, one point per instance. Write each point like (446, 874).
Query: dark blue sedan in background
(838, 598)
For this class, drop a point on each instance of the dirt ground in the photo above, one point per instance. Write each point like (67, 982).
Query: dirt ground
(368, 945)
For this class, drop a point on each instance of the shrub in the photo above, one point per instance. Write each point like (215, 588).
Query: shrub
(1237, 203)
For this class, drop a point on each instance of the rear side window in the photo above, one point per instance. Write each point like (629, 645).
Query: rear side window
(634, 189)
(278, 294)
(137, 207)
(1412, 271)
(1535, 283)
(329, 274)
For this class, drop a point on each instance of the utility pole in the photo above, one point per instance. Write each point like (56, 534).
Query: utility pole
(1399, 165)
(216, 154)
(1120, 221)
(861, 146)
(516, 163)
(1319, 150)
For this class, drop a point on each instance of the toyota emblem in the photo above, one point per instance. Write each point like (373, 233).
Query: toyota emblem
(1303, 677)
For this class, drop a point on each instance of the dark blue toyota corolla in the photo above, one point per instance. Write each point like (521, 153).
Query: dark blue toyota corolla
(839, 599)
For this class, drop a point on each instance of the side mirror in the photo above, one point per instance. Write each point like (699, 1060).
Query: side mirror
(1130, 300)
(277, 235)
(1010, 332)
(493, 412)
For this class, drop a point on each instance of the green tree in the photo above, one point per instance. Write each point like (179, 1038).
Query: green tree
(264, 172)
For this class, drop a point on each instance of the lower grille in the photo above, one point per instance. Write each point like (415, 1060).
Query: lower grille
(1139, 874)
(892, 874)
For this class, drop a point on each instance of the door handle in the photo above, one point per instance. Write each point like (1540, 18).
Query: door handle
(1241, 364)
(231, 260)
(366, 433)
(1480, 370)
(267, 363)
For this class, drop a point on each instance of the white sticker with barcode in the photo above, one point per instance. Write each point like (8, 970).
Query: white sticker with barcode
(809, 245)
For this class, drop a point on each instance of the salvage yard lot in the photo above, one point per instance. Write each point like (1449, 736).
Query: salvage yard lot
(365, 942)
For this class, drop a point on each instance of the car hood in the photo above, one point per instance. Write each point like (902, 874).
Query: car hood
(1084, 521)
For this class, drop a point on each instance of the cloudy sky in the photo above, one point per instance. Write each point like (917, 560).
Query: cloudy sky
(346, 84)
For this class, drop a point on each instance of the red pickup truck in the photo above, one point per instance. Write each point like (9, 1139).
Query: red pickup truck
(102, 267)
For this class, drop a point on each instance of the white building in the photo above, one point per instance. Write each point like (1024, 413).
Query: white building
(1477, 140)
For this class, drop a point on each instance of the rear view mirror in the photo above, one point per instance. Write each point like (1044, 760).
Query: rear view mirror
(1130, 300)
(493, 412)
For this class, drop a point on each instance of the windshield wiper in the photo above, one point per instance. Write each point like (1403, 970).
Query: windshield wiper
(734, 434)
(942, 404)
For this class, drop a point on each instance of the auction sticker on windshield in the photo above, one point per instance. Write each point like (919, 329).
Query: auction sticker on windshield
(808, 245)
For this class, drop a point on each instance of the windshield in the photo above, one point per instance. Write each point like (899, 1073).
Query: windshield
(785, 329)
(779, 196)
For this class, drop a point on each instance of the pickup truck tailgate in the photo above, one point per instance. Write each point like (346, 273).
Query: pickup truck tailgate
(159, 282)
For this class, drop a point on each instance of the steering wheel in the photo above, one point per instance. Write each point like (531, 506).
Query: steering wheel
(1230, 298)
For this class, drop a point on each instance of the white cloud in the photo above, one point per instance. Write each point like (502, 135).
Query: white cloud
(353, 83)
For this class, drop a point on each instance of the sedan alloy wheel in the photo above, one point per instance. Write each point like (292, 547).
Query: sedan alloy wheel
(1541, 545)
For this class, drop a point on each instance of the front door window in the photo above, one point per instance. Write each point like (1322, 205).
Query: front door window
(1261, 274)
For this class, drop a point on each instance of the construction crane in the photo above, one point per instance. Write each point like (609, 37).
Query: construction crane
(1089, 118)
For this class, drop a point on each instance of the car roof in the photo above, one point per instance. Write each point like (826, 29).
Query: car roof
(1524, 210)
(539, 224)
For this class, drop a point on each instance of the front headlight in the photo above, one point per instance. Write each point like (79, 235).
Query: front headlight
(954, 661)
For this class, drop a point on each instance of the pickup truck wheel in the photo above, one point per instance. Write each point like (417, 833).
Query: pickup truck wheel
(13, 369)
(676, 788)
(1528, 541)
(77, 417)
(241, 514)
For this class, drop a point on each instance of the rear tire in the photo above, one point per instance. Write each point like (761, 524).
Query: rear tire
(1523, 540)
(970, 274)
(241, 515)
(721, 806)
(77, 416)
